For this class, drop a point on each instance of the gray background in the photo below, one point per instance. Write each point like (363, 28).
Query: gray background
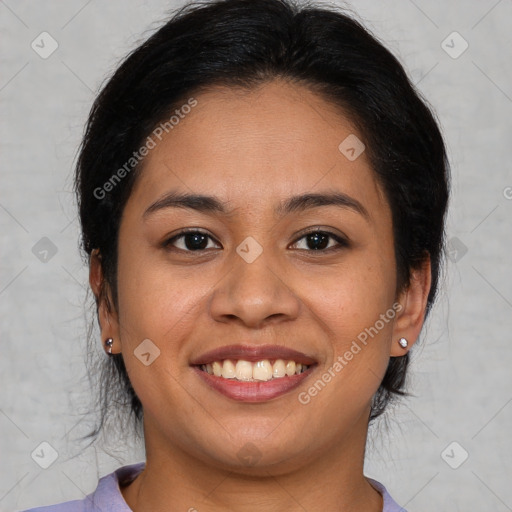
(461, 374)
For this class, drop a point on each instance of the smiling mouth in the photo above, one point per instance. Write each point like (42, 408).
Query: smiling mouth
(258, 371)
(253, 373)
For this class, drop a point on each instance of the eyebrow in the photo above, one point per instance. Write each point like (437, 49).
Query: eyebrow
(294, 204)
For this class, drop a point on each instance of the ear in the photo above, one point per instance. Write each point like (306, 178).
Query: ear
(107, 316)
(413, 299)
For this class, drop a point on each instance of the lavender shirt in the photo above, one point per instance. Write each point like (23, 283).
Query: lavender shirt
(108, 498)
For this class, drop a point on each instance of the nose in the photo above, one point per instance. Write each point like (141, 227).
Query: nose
(253, 294)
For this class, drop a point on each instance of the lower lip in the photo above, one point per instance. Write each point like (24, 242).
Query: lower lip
(253, 391)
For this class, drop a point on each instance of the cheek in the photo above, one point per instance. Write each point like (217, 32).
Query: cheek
(148, 299)
(353, 297)
(356, 308)
(152, 302)
(154, 306)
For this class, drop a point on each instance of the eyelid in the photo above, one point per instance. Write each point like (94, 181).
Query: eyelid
(320, 229)
(168, 239)
(342, 240)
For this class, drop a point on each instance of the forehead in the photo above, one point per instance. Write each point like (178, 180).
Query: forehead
(273, 141)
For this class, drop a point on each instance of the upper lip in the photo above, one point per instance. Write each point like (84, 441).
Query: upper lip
(253, 353)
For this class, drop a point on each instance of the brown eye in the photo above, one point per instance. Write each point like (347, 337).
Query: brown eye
(190, 240)
(194, 240)
(320, 241)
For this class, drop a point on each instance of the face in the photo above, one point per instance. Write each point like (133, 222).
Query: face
(261, 274)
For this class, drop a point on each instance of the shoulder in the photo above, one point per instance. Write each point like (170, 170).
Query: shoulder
(69, 506)
(107, 495)
(390, 505)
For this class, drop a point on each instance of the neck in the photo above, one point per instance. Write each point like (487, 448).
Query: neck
(333, 480)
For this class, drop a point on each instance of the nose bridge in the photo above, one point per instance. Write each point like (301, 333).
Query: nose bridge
(253, 291)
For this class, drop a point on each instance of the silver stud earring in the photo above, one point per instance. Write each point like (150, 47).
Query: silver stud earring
(108, 343)
(403, 342)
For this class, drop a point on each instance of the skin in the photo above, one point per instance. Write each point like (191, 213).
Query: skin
(251, 150)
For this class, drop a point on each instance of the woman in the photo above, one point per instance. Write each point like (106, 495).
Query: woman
(262, 196)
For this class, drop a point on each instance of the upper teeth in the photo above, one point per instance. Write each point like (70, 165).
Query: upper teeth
(260, 370)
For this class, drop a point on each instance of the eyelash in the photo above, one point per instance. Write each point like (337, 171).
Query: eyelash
(342, 242)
